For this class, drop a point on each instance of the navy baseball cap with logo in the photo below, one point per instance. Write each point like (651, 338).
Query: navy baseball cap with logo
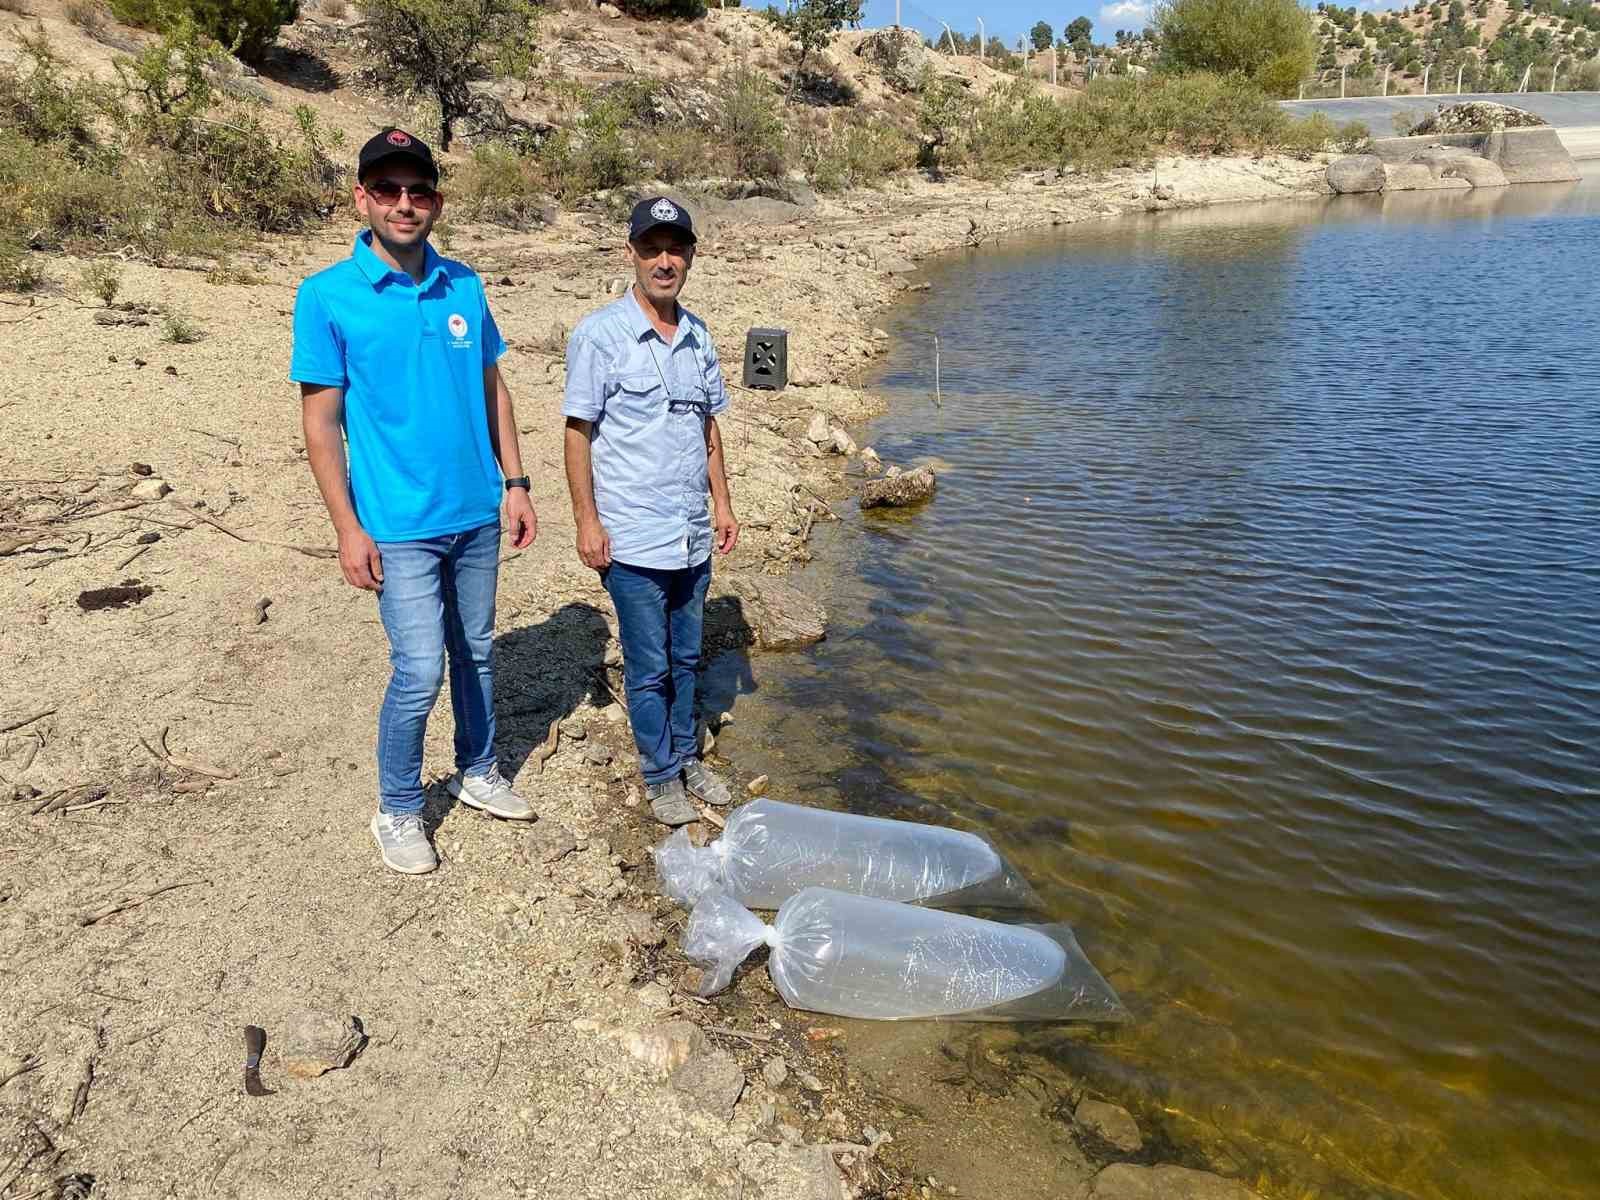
(394, 143)
(655, 211)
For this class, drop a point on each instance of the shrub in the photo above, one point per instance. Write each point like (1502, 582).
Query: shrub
(245, 27)
(87, 15)
(180, 330)
(751, 124)
(103, 278)
(498, 184)
(436, 47)
(18, 270)
(942, 118)
(148, 161)
(856, 152)
(14, 6)
(1270, 41)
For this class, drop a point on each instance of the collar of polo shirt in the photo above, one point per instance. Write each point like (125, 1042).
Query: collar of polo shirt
(639, 320)
(379, 272)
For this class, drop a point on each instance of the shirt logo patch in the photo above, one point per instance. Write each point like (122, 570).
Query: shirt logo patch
(664, 210)
(457, 324)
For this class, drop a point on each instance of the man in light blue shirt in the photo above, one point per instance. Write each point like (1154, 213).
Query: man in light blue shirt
(395, 351)
(642, 449)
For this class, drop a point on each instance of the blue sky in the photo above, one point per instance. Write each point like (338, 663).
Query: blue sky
(1011, 19)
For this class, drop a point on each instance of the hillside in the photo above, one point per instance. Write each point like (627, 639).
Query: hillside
(1492, 45)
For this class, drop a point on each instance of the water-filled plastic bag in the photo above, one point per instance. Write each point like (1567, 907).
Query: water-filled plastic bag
(857, 956)
(771, 850)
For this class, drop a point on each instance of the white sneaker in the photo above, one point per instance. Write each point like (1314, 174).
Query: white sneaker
(404, 843)
(490, 793)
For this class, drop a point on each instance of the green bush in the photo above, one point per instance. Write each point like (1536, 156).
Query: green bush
(180, 330)
(19, 271)
(750, 122)
(498, 184)
(155, 161)
(103, 278)
(244, 27)
(857, 152)
(1272, 42)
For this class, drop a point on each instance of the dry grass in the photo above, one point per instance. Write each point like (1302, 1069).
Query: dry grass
(14, 6)
(87, 15)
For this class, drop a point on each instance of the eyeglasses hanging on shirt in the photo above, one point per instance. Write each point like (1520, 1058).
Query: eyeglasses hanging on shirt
(698, 403)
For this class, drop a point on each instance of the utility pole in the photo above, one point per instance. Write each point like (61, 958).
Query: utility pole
(1053, 56)
(1425, 71)
(1341, 83)
(1462, 67)
(954, 49)
(981, 51)
(1386, 67)
(1556, 70)
(1523, 86)
(897, 14)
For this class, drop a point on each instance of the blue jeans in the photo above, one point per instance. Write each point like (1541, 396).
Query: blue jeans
(659, 618)
(437, 602)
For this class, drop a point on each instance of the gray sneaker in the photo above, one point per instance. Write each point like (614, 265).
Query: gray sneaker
(490, 793)
(703, 785)
(668, 804)
(404, 843)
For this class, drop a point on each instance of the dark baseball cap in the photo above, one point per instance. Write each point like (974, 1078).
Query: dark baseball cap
(396, 143)
(655, 211)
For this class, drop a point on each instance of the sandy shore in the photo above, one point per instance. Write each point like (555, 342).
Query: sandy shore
(497, 995)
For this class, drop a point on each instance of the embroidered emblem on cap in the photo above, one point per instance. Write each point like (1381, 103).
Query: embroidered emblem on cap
(664, 210)
(458, 325)
(399, 137)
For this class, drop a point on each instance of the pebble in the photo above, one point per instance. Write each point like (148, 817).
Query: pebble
(653, 995)
(809, 1081)
(150, 489)
(775, 1071)
(597, 755)
(758, 785)
(573, 728)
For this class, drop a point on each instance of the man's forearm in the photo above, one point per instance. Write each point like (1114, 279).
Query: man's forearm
(716, 471)
(580, 474)
(325, 452)
(503, 430)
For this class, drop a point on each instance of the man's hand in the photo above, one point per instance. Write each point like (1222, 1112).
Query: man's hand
(359, 559)
(727, 529)
(594, 545)
(521, 520)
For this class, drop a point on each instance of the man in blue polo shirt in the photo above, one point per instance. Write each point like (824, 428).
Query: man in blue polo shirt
(395, 352)
(642, 448)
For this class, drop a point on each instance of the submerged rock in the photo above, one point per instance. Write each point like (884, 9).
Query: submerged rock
(1124, 1181)
(898, 489)
(1110, 1123)
(765, 612)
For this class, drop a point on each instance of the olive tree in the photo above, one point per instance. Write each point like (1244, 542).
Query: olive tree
(1270, 41)
(437, 47)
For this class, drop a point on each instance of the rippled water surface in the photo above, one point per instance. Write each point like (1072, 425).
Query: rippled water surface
(1257, 618)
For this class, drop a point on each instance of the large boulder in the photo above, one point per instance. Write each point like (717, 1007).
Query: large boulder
(1417, 177)
(1477, 116)
(1356, 173)
(1532, 156)
(900, 55)
(1445, 162)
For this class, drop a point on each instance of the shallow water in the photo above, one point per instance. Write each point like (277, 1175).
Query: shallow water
(1256, 618)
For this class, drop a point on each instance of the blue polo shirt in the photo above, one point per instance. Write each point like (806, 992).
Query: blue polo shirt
(410, 358)
(651, 486)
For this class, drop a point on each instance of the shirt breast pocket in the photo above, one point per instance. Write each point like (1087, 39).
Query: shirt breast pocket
(639, 398)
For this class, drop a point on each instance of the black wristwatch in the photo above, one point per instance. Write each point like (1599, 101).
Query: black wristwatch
(520, 481)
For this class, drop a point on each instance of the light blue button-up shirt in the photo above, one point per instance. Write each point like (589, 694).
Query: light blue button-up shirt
(651, 487)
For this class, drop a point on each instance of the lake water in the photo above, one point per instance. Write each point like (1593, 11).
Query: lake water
(1257, 617)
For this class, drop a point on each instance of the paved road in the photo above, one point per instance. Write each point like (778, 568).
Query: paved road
(1575, 115)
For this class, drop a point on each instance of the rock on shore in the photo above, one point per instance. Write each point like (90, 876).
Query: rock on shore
(898, 490)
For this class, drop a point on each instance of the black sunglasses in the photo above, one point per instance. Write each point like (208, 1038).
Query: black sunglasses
(387, 192)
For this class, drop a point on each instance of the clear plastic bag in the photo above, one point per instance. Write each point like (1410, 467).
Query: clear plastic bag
(771, 850)
(855, 956)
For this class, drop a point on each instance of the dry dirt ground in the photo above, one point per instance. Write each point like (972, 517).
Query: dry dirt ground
(181, 742)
